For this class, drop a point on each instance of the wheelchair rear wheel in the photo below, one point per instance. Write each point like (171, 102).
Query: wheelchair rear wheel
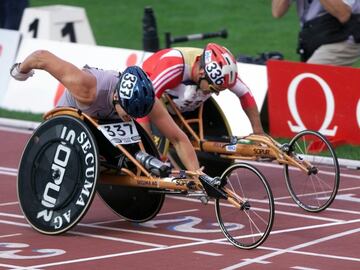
(134, 204)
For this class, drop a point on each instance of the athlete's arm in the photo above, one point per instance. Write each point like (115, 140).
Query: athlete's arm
(166, 125)
(254, 118)
(81, 84)
(279, 7)
(249, 106)
(338, 8)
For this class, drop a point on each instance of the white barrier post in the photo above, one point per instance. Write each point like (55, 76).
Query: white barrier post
(57, 22)
(9, 43)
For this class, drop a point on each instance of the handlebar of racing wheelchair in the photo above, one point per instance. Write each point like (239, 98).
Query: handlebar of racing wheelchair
(212, 185)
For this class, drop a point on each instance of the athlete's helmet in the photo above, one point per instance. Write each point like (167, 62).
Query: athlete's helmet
(135, 92)
(219, 65)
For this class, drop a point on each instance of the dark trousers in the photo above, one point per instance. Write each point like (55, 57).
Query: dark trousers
(11, 12)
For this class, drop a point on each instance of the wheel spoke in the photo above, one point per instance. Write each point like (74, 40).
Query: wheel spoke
(256, 218)
(313, 191)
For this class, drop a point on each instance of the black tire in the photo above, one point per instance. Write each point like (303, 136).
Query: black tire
(249, 226)
(134, 204)
(58, 174)
(316, 191)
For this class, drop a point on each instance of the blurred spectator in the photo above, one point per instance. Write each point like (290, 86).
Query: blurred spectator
(11, 12)
(329, 29)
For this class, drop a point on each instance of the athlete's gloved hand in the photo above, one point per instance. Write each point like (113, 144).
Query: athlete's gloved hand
(17, 75)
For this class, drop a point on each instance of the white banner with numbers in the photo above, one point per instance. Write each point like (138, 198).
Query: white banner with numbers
(57, 22)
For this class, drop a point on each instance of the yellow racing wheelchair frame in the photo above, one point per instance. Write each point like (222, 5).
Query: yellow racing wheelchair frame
(71, 155)
(312, 175)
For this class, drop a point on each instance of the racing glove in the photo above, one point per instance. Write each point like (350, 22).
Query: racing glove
(17, 75)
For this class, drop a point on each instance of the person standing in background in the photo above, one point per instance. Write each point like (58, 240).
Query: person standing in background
(11, 12)
(329, 30)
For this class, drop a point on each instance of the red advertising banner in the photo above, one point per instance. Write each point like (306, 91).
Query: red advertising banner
(318, 97)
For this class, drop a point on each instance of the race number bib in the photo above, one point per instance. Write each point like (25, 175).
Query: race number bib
(121, 133)
(127, 85)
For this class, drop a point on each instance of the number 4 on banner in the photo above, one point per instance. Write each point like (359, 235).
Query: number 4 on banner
(57, 22)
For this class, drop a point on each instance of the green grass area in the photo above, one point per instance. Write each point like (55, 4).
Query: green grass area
(250, 25)
(21, 115)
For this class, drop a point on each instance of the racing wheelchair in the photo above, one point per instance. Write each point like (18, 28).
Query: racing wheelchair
(71, 156)
(311, 167)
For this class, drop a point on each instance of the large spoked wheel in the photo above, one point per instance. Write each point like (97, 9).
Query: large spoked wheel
(316, 190)
(248, 224)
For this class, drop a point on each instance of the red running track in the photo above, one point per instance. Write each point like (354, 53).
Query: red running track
(183, 235)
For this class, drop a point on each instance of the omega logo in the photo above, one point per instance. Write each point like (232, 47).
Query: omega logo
(330, 105)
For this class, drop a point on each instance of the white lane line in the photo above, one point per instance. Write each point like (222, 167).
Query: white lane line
(117, 239)
(327, 209)
(340, 190)
(208, 253)
(303, 268)
(8, 203)
(216, 241)
(285, 231)
(327, 256)
(293, 248)
(14, 130)
(90, 235)
(143, 232)
(306, 216)
(8, 173)
(10, 235)
(9, 266)
(178, 212)
(314, 227)
(255, 261)
(132, 253)
(11, 215)
(158, 215)
(15, 223)
(8, 169)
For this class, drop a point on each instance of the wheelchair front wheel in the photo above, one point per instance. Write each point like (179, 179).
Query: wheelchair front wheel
(314, 190)
(249, 224)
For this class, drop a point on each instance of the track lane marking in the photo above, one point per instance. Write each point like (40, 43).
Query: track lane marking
(303, 268)
(208, 253)
(10, 235)
(216, 241)
(306, 216)
(198, 239)
(9, 203)
(313, 254)
(117, 239)
(10, 266)
(138, 252)
(293, 248)
(161, 214)
(15, 130)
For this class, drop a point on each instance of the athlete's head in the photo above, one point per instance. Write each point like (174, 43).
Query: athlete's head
(135, 92)
(219, 65)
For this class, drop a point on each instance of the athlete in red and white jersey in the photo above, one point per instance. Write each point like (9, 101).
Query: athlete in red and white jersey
(191, 75)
